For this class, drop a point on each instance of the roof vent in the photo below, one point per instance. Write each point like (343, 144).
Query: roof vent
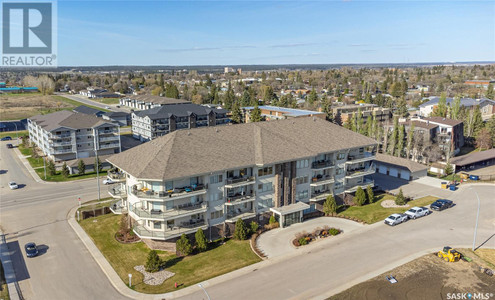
(216, 129)
(314, 119)
(443, 119)
(188, 133)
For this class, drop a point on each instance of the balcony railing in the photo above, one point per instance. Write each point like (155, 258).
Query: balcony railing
(358, 159)
(116, 175)
(176, 193)
(170, 232)
(109, 138)
(239, 199)
(60, 151)
(116, 191)
(55, 144)
(322, 179)
(234, 216)
(322, 164)
(59, 136)
(107, 131)
(361, 171)
(350, 188)
(174, 212)
(112, 145)
(320, 195)
(240, 181)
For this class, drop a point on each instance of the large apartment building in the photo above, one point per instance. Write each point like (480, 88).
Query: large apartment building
(143, 102)
(161, 120)
(211, 177)
(66, 135)
(347, 111)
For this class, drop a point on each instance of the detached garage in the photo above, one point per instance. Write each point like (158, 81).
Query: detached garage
(399, 167)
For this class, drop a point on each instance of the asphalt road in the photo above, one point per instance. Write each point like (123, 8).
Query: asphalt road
(87, 101)
(37, 212)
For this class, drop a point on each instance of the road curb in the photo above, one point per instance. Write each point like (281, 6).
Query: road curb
(8, 269)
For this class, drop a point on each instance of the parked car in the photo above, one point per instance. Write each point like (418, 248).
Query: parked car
(31, 249)
(417, 212)
(441, 204)
(6, 138)
(395, 219)
(10, 146)
(107, 107)
(108, 181)
(13, 185)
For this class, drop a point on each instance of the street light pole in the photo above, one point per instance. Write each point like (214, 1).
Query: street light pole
(16, 133)
(477, 217)
(201, 286)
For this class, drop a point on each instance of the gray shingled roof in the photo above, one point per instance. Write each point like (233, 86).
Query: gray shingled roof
(183, 153)
(444, 121)
(87, 110)
(464, 101)
(65, 118)
(473, 157)
(182, 110)
(400, 162)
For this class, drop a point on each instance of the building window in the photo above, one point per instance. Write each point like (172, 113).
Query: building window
(302, 164)
(266, 203)
(157, 225)
(216, 196)
(216, 214)
(216, 179)
(338, 184)
(302, 179)
(339, 171)
(265, 187)
(265, 171)
(302, 195)
(340, 156)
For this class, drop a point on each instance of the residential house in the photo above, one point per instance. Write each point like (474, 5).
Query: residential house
(161, 120)
(427, 108)
(211, 177)
(487, 108)
(449, 133)
(279, 113)
(66, 135)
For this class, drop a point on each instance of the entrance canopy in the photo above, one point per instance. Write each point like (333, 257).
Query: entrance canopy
(292, 208)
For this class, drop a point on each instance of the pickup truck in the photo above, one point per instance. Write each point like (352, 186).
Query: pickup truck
(395, 219)
(417, 212)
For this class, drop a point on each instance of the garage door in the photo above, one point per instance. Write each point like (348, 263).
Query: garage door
(382, 169)
(394, 172)
(82, 154)
(405, 174)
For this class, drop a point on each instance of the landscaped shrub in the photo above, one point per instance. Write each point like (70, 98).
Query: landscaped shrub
(333, 231)
(241, 231)
(330, 206)
(371, 195)
(254, 227)
(81, 167)
(65, 170)
(183, 246)
(154, 263)
(302, 241)
(399, 199)
(360, 197)
(201, 242)
(51, 167)
(272, 220)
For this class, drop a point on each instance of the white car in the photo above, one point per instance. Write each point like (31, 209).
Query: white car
(395, 219)
(107, 107)
(13, 185)
(417, 212)
(108, 181)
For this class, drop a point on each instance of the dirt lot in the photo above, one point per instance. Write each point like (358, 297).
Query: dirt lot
(16, 107)
(428, 277)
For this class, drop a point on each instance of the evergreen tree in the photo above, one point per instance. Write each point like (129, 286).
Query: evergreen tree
(241, 231)
(400, 142)
(256, 114)
(183, 246)
(490, 94)
(371, 195)
(393, 137)
(410, 140)
(171, 91)
(400, 199)
(153, 263)
(353, 122)
(65, 170)
(229, 97)
(254, 227)
(236, 113)
(51, 167)
(441, 109)
(448, 169)
(313, 97)
(360, 196)
(329, 206)
(81, 167)
(201, 242)
(402, 107)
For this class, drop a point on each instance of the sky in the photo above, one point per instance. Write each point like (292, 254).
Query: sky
(96, 33)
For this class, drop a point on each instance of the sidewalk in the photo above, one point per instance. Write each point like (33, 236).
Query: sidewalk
(8, 268)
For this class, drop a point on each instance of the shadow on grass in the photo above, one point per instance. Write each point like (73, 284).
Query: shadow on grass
(172, 262)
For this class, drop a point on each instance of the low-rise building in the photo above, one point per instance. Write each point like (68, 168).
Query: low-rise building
(346, 111)
(83, 109)
(487, 108)
(143, 102)
(449, 133)
(279, 113)
(427, 108)
(399, 167)
(158, 121)
(480, 83)
(211, 177)
(66, 135)
(118, 117)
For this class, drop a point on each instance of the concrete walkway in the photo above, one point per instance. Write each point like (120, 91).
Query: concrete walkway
(8, 268)
(277, 242)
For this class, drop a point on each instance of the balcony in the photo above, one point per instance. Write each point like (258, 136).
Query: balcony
(363, 185)
(108, 131)
(239, 199)
(173, 213)
(60, 151)
(359, 159)
(173, 232)
(106, 146)
(234, 216)
(117, 191)
(321, 180)
(239, 181)
(109, 138)
(322, 164)
(177, 193)
(320, 195)
(116, 176)
(360, 172)
(60, 136)
(55, 144)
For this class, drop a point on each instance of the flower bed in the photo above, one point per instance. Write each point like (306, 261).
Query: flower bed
(304, 238)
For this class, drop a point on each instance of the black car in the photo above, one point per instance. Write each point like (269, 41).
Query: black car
(31, 250)
(10, 146)
(441, 204)
(6, 138)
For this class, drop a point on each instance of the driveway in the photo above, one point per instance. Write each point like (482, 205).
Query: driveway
(414, 189)
(277, 242)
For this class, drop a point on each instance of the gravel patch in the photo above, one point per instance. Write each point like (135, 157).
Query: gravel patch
(391, 203)
(156, 278)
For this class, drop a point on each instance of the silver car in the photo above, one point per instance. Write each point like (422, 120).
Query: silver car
(13, 185)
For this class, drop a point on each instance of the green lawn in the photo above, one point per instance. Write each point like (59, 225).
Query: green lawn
(95, 204)
(58, 177)
(14, 134)
(76, 103)
(4, 291)
(188, 271)
(450, 177)
(108, 100)
(372, 213)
